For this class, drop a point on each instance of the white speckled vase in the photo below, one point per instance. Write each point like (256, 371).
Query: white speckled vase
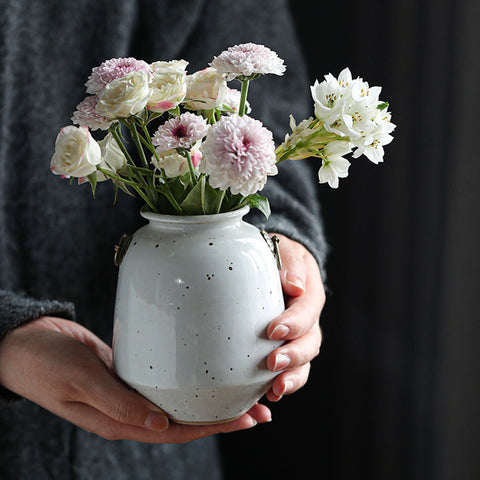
(194, 297)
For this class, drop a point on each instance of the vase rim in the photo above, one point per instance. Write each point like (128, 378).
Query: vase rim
(193, 219)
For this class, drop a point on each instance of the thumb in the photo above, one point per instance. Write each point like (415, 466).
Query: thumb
(112, 397)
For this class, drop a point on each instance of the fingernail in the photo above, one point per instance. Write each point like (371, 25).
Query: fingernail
(156, 421)
(286, 387)
(293, 279)
(279, 332)
(282, 361)
(254, 422)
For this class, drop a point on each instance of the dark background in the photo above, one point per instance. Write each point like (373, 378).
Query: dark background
(395, 392)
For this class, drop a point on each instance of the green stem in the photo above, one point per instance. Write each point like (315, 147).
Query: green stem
(220, 201)
(138, 143)
(193, 177)
(168, 193)
(110, 174)
(147, 200)
(136, 138)
(130, 161)
(243, 98)
(135, 185)
(170, 197)
(116, 136)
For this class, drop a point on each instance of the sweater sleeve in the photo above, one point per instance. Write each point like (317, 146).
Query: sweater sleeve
(17, 309)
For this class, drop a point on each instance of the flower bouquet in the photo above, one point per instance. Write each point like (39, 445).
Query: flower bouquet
(197, 286)
(208, 155)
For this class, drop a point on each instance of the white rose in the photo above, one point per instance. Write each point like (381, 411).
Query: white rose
(112, 159)
(208, 86)
(124, 96)
(175, 164)
(76, 153)
(232, 101)
(171, 162)
(178, 65)
(168, 85)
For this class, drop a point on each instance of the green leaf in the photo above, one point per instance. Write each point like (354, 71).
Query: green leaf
(122, 186)
(213, 198)
(383, 106)
(202, 199)
(232, 202)
(92, 178)
(192, 204)
(126, 171)
(178, 188)
(258, 201)
(184, 179)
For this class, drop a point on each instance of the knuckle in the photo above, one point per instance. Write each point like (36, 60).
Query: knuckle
(121, 411)
(299, 377)
(306, 372)
(297, 355)
(74, 388)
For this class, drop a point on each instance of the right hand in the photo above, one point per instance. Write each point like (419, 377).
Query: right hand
(67, 370)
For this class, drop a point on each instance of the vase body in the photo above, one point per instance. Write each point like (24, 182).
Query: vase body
(194, 298)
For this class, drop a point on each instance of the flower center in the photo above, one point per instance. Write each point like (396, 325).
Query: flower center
(331, 98)
(180, 131)
(356, 117)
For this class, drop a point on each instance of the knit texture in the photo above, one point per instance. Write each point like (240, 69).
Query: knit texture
(56, 240)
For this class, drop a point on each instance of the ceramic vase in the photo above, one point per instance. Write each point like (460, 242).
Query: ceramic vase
(194, 298)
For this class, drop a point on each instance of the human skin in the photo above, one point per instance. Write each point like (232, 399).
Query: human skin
(66, 369)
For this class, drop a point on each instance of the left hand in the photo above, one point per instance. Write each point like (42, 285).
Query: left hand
(299, 325)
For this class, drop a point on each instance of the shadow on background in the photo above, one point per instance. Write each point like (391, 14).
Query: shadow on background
(395, 392)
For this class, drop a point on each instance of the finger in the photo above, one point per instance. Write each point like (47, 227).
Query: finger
(293, 274)
(288, 382)
(302, 311)
(92, 420)
(297, 352)
(98, 388)
(260, 413)
(96, 385)
(178, 433)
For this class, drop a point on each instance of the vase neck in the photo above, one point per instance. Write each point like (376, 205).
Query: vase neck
(195, 222)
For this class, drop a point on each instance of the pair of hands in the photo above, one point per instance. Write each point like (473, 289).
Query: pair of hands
(67, 370)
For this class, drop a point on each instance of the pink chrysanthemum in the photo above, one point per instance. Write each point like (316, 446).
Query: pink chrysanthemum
(180, 132)
(239, 152)
(86, 115)
(112, 69)
(248, 59)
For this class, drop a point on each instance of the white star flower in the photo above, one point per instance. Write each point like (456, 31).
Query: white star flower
(334, 166)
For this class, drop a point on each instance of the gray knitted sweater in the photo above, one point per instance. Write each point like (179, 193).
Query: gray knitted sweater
(56, 240)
